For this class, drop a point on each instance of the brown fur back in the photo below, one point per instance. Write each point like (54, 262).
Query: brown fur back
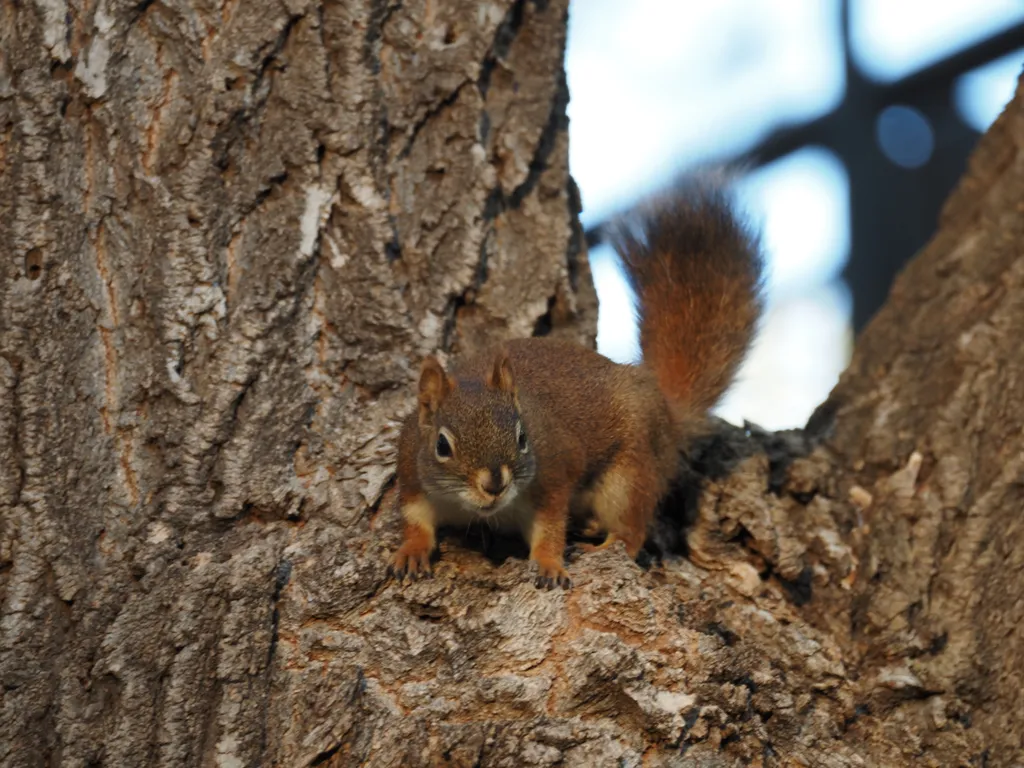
(697, 275)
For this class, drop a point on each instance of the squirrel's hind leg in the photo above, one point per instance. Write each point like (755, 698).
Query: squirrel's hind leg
(624, 501)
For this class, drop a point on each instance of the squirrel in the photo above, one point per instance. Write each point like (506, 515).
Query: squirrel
(540, 430)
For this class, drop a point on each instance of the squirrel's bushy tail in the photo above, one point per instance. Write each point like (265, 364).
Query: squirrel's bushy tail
(697, 275)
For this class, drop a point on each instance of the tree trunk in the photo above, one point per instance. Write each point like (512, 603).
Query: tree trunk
(230, 233)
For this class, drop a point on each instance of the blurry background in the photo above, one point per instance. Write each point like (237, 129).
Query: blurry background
(855, 119)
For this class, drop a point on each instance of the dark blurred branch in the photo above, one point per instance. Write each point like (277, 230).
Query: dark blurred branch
(893, 210)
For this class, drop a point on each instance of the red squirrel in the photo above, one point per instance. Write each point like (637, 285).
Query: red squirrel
(536, 430)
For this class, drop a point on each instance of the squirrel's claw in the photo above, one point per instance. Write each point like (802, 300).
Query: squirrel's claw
(407, 565)
(552, 576)
(550, 582)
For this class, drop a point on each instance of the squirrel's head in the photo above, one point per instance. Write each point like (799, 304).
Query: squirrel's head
(475, 448)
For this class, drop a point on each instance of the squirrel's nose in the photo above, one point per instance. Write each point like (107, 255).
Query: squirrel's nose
(495, 480)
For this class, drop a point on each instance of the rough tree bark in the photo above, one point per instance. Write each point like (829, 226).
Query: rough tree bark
(231, 231)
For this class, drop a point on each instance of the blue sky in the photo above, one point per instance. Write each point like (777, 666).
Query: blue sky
(657, 85)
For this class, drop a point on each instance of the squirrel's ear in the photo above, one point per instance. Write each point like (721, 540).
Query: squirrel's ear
(434, 386)
(500, 376)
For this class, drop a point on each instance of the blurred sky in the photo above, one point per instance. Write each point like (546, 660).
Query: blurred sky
(658, 85)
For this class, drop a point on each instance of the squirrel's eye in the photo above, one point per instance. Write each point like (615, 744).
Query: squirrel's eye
(521, 438)
(443, 448)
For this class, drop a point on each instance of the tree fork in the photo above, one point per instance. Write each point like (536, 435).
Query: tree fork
(231, 232)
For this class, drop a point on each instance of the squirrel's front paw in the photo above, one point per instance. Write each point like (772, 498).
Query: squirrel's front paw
(551, 574)
(412, 561)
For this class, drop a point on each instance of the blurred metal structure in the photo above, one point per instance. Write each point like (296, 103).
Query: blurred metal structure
(894, 209)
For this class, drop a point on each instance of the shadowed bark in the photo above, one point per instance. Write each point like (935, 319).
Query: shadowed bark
(230, 232)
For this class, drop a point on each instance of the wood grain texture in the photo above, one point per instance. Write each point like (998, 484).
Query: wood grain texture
(230, 233)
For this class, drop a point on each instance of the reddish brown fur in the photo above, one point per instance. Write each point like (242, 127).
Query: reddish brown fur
(697, 276)
(613, 417)
(602, 436)
(413, 556)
